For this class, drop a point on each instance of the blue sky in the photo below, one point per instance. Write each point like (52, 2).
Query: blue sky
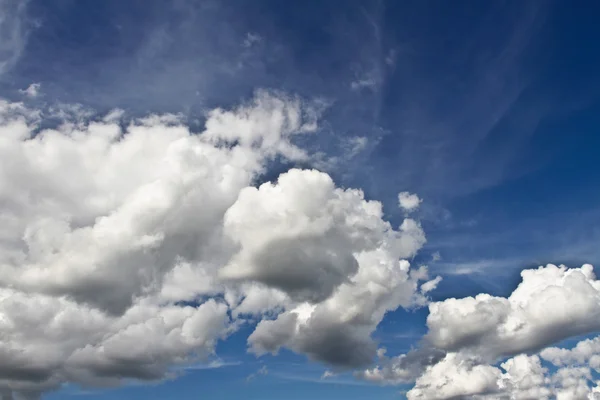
(489, 111)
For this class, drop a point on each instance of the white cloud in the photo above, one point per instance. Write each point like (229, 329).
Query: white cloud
(325, 248)
(525, 378)
(455, 377)
(431, 285)
(114, 115)
(337, 330)
(106, 233)
(104, 230)
(354, 146)
(585, 352)
(367, 82)
(32, 90)
(408, 201)
(303, 219)
(550, 304)
(520, 378)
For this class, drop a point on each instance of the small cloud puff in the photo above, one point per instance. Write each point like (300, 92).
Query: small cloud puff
(32, 90)
(408, 201)
(251, 39)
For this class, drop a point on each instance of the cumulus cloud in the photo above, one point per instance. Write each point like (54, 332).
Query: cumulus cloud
(522, 377)
(408, 201)
(101, 225)
(585, 352)
(102, 215)
(125, 249)
(455, 377)
(338, 329)
(303, 220)
(550, 304)
(468, 337)
(525, 378)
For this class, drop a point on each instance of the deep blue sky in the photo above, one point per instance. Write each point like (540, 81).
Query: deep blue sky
(490, 111)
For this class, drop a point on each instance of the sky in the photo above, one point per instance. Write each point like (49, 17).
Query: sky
(299, 200)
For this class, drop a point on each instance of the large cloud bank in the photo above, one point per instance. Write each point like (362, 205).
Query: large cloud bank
(127, 248)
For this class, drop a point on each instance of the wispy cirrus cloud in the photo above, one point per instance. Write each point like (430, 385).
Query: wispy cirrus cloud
(14, 31)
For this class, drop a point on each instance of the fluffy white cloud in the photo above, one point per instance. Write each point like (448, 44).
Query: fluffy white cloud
(304, 220)
(585, 352)
(551, 303)
(455, 377)
(357, 272)
(146, 340)
(408, 201)
(519, 378)
(124, 251)
(525, 378)
(103, 230)
(102, 215)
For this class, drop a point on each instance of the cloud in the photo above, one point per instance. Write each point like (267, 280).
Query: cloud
(32, 90)
(99, 223)
(454, 377)
(13, 32)
(367, 82)
(550, 304)
(333, 332)
(525, 378)
(136, 247)
(468, 337)
(585, 352)
(251, 39)
(304, 220)
(262, 371)
(405, 368)
(408, 202)
(521, 377)
(214, 364)
(431, 285)
(115, 218)
(129, 249)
